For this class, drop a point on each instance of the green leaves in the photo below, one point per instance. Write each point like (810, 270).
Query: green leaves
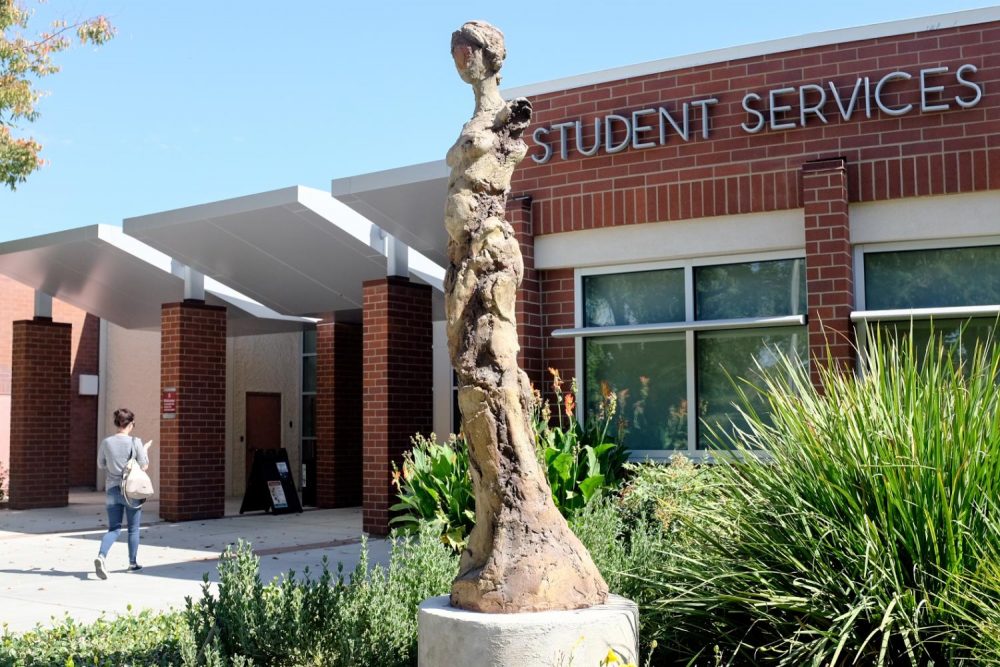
(578, 468)
(22, 61)
(859, 539)
(434, 488)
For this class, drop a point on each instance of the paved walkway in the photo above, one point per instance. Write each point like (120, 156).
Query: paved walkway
(47, 556)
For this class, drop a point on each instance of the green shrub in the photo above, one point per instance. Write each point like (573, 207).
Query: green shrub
(368, 618)
(434, 487)
(854, 540)
(146, 638)
(676, 496)
(3, 480)
(629, 533)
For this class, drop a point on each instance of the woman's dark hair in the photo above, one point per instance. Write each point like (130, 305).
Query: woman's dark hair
(123, 417)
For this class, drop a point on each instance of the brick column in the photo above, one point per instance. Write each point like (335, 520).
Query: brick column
(193, 442)
(528, 310)
(829, 264)
(40, 414)
(398, 400)
(338, 414)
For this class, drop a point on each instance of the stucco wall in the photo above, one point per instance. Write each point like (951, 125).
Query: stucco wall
(270, 363)
(132, 380)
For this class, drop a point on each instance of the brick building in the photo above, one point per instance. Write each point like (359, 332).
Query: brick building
(682, 221)
(685, 220)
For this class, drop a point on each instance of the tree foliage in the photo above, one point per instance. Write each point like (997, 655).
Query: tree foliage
(26, 57)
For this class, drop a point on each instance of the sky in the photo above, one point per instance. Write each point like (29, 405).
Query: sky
(196, 101)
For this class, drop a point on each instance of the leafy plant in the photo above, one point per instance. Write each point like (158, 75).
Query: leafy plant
(3, 480)
(147, 638)
(367, 618)
(434, 487)
(628, 534)
(581, 462)
(23, 59)
(854, 540)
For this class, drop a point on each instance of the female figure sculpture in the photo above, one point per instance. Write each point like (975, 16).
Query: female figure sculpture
(521, 555)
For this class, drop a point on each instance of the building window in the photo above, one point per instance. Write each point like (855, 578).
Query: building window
(677, 336)
(952, 293)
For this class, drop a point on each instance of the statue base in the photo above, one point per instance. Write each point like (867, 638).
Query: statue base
(449, 636)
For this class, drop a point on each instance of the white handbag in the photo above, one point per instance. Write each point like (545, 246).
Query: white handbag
(136, 484)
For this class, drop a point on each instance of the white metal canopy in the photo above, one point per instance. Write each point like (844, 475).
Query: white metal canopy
(407, 202)
(296, 250)
(117, 278)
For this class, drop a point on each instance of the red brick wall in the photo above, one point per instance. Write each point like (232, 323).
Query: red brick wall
(40, 414)
(735, 172)
(528, 308)
(193, 445)
(17, 303)
(558, 313)
(338, 414)
(829, 264)
(732, 172)
(398, 381)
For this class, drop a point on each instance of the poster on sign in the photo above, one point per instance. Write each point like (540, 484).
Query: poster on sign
(278, 499)
(168, 403)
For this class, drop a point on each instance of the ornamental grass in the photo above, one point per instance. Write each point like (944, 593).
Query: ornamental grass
(866, 535)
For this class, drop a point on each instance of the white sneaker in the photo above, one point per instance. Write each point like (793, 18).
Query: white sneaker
(99, 568)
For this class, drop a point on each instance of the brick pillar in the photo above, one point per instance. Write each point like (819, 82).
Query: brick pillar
(193, 442)
(528, 310)
(40, 414)
(829, 264)
(338, 414)
(398, 400)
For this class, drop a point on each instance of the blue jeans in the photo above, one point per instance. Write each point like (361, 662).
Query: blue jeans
(116, 508)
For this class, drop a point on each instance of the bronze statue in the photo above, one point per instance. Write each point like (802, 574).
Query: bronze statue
(521, 555)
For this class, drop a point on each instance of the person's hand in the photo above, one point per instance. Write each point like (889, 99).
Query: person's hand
(148, 444)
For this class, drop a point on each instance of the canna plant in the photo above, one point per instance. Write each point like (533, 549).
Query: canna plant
(434, 487)
(581, 462)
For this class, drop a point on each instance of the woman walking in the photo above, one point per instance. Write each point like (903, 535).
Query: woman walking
(113, 456)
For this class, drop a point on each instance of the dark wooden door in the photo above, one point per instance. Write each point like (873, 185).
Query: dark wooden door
(263, 424)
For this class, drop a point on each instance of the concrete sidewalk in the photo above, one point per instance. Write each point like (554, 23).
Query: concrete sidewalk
(47, 557)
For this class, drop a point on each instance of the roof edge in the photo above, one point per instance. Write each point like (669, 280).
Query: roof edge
(807, 41)
(388, 178)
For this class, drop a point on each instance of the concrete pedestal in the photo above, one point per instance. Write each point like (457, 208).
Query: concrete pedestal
(450, 636)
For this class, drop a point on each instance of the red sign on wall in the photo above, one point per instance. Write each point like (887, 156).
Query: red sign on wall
(168, 403)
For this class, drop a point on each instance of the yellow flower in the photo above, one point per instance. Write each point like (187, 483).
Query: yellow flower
(611, 658)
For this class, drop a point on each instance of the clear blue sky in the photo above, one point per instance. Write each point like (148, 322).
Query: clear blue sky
(196, 101)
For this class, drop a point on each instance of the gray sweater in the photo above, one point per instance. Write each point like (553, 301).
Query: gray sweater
(113, 455)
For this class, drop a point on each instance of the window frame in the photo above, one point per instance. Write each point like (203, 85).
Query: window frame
(689, 328)
(861, 317)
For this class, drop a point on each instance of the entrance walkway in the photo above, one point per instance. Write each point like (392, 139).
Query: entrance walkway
(47, 557)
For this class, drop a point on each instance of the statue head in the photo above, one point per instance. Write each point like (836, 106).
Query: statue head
(478, 50)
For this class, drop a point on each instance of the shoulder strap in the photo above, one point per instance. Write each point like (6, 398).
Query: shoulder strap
(134, 455)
